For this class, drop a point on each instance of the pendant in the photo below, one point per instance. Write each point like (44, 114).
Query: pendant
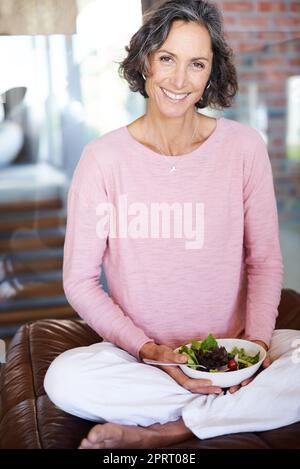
(173, 169)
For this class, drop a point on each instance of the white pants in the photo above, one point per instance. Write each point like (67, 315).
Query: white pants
(106, 384)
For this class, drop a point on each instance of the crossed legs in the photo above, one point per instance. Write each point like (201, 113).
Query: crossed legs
(139, 406)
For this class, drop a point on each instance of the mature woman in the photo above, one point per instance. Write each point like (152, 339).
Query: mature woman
(179, 208)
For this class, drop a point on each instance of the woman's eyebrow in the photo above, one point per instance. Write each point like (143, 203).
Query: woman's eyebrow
(174, 55)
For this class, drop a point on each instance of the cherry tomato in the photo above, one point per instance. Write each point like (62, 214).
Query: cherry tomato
(232, 365)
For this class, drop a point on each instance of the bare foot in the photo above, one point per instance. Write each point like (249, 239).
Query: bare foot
(111, 435)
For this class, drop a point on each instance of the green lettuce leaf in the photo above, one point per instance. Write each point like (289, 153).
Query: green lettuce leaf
(192, 359)
(244, 358)
(196, 344)
(209, 343)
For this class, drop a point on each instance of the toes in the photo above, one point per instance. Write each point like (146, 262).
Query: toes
(106, 431)
(246, 381)
(95, 435)
(106, 435)
(85, 444)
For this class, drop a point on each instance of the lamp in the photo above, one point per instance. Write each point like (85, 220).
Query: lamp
(19, 17)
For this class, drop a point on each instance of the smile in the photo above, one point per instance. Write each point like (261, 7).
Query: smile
(175, 97)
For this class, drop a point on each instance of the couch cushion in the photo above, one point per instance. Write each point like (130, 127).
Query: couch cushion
(289, 310)
(30, 420)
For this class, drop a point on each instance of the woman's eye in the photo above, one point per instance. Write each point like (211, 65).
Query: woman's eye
(165, 58)
(198, 65)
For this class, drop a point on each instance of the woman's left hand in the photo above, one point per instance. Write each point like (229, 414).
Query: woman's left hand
(267, 362)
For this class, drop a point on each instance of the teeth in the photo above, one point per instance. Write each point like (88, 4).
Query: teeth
(175, 96)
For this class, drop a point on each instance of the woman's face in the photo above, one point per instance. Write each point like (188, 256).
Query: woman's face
(180, 69)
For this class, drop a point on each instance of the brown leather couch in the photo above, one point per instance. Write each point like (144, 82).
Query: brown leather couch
(30, 420)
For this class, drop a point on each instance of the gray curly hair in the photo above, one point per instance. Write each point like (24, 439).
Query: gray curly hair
(152, 34)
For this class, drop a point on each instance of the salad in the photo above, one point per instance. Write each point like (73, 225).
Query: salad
(210, 357)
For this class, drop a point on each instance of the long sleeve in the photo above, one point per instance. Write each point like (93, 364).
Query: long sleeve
(262, 247)
(158, 289)
(83, 255)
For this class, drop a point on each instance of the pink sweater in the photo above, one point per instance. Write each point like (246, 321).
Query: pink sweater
(210, 261)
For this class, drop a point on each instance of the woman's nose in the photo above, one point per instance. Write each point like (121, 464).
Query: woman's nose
(179, 77)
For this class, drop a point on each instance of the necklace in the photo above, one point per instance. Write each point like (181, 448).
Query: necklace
(174, 165)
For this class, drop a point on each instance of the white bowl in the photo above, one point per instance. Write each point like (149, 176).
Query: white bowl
(225, 379)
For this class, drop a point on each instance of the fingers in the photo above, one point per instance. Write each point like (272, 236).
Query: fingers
(157, 352)
(175, 357)
(200, 389)
(202, 386)
(267, 362)
(169, 355)
(247, 381)
(261, 343)
(164, 353)
(234, 389)
(183, 379)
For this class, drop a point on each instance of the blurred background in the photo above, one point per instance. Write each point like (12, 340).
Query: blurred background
(59, 88)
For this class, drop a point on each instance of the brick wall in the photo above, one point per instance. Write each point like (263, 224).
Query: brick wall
(265, 37)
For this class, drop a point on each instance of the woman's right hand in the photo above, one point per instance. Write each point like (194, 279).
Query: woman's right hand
(164, 353)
